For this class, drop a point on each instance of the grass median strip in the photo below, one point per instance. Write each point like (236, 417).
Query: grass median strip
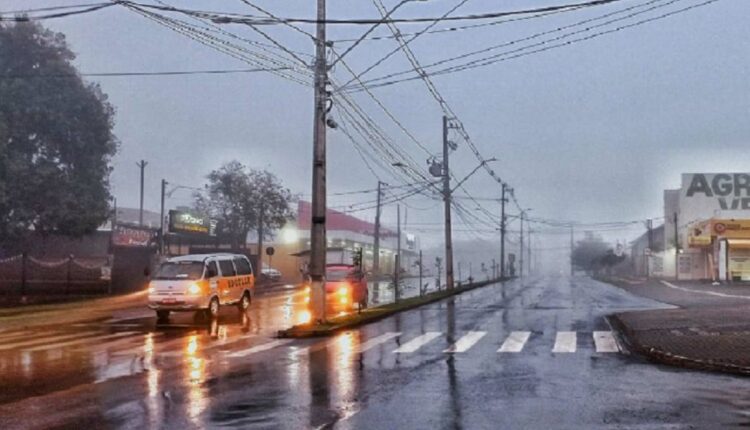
(369, 315)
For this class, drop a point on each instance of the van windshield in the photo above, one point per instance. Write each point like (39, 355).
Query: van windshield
(180, 270)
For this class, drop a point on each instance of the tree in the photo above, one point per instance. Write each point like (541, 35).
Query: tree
(239, 198)
(56, 139)
(588, 252)
(592, 254)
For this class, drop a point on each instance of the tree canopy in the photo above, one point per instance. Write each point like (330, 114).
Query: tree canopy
(593, 253)
(236, 195)
(56, 139)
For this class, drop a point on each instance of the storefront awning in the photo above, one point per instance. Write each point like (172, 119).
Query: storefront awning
(739, 243)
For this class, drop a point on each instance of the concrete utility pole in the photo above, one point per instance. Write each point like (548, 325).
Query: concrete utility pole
(676, 249)
(503, 222)
(447, 200)
(261, 233)
(161, 216)
(397, 274)
(520, 254)
(376, 245)
(421, 287)
(650, 226)
(142, 166)
(318, 243)
(571, 250)
(528, 252)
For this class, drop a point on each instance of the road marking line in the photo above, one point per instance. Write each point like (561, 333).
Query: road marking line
(565, 342)
(417, 342)
(259, 348)
(466, 342)
(213, 345)
(17, 336)
(79, 341)
(375, 341)
(515, 341)
(119, 342)
(159, 347)
(46, 338)
(708, 293)
(605, 342)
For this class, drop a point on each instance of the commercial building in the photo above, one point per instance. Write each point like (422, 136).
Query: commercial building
(346, 234)
(706, 231)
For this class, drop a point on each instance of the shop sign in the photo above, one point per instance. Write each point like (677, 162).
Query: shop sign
(191, 223)
(731, 191)
(732, 229)
(125, 235)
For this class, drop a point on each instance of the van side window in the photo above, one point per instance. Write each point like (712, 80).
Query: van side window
(243, 266)
(227, 268)
(211, 267)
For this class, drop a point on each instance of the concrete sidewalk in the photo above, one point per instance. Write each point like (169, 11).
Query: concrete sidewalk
(709, 330)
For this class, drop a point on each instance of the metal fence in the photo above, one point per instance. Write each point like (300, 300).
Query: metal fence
(26, 275)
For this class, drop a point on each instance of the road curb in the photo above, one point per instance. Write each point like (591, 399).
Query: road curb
(657, 355)
(371, 315)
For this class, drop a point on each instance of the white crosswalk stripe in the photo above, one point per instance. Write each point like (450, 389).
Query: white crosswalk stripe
(45, 338)
(20, 335)
(259, 348)
(565, 342)
(466, 342)
(135, 341)
(375, 341)
(605, 342)
(417, 342)
(515, 341)
(80, 341)
(212, 346)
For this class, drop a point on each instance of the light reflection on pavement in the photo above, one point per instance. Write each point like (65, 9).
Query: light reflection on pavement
(234, 374)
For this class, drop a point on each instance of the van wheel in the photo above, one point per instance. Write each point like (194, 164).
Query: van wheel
(213, 308)
(162, 315)
(244, 303)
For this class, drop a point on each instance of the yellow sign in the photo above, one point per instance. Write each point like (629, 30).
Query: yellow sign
(731, 228)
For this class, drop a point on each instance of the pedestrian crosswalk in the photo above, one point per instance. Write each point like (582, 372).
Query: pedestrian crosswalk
(242, 346)
(565, 342)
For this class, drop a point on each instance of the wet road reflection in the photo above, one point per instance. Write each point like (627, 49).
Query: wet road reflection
(233, 375)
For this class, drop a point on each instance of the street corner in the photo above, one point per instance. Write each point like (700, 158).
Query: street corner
(688, 338)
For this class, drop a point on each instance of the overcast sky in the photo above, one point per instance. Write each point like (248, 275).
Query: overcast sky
(590, 132)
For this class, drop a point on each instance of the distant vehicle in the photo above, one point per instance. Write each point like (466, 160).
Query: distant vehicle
(271, 274)
(201, 283)
(347, 285)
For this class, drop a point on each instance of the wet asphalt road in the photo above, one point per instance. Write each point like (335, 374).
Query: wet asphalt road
(448, 371)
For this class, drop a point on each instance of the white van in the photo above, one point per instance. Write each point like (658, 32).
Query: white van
(201, 283)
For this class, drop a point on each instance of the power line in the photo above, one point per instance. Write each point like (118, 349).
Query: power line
(511, 43)
(234, 18)
(27, 18)
(523, 52)
(161, 73)
(460, 28)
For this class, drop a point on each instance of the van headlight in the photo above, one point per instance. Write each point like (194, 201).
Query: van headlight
(194, 289)
(151, 288)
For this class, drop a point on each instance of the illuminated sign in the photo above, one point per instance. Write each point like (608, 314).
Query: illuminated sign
(124, 235)
(191, 223)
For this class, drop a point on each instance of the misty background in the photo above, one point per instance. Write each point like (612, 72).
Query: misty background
(590, 132)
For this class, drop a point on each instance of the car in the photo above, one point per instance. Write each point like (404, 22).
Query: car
(271, 274)
(201, 283)
(346, 285)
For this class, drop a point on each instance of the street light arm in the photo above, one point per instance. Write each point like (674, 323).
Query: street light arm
(461, 182)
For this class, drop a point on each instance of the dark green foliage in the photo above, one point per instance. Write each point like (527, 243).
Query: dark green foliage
(56, 138)
(236, 195)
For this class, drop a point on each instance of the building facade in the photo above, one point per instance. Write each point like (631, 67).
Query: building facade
(706, 229)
